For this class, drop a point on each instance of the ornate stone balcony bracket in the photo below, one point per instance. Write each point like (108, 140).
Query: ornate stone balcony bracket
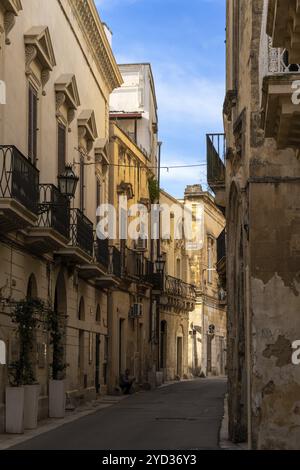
(11, 9)
(229, 103)
(67, 94)
(39, 54)
(125, 189)
(87, 130)
(101, 158)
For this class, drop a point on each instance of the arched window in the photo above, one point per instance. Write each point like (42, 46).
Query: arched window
(98, 314)
(31, 288)
(81, 312)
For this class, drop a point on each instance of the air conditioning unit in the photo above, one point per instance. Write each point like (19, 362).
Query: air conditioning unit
(141, 244)
(137, 310)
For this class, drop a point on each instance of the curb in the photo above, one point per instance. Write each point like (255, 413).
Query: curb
(11, 440)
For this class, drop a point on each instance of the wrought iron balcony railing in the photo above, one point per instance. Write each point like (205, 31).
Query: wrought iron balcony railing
(54, 210)
(137, 265)
(134, 263)
(81, 230)
(178, 288)
(19, 179)
(102, 251)
(216, 151)
(115, 261)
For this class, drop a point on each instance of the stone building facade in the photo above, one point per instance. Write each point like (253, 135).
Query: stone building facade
(207, 322)
(131, 298)
(56, 113)
(260, 189)
(177, 299)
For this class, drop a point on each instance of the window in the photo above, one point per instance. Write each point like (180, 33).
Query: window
(80, 349)
(82, 186)
(81, 312)
(61, 148)
(32, 288)
(32, 124)
(98, 314)
(209, 260)
(106, 349)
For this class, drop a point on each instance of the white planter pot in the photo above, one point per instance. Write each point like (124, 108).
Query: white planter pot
(57, 399)
(31, 405)
(14, 410)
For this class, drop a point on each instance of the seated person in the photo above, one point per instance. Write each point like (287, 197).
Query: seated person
(126, 382)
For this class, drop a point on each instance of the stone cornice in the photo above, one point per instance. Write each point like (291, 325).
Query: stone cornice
(11, 9)
(90, 24)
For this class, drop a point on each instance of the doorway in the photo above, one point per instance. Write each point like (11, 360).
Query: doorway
(163, 345)
(179, 355)
(122, 362)
(97, 364)
(209, 354)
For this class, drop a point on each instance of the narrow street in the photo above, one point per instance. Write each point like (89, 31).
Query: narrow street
(182, 416)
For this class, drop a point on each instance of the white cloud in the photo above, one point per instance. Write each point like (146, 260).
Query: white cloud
(189, 98)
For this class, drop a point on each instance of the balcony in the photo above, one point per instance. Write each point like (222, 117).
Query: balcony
(52, 229)
(280, 116)
(283, 26)
(99, 264)
(216, 150)
(133, 264)
(102, 252)
(137, 267)
(113, 274)
(80, 249)
(19, 190)
(179, 294)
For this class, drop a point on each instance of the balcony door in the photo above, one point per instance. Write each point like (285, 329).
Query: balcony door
(61, 148)
(32, 124)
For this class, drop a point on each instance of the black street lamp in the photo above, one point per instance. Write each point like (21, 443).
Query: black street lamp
(67, 182)
(160, 265)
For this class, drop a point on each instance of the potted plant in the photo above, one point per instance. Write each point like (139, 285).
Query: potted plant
(57, 393)
(23, 394)
(14, 400)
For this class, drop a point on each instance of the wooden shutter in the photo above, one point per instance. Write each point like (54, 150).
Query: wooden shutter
(82, 185)
(61, 147)
(32, 124)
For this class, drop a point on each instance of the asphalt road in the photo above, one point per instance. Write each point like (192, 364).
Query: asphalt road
(183, 416)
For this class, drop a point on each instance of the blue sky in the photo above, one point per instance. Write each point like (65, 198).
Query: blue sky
(184, 42)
